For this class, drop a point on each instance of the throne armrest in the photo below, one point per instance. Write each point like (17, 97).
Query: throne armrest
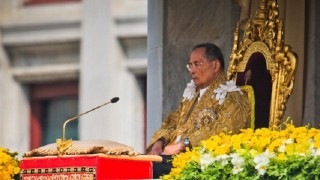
(249, 92)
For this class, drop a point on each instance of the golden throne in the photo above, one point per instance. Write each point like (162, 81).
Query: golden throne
(263, 61)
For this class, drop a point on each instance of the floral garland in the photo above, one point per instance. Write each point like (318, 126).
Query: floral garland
(190, 91)
(220, 93)
(9, 164)
(292, 153)
(223, 90)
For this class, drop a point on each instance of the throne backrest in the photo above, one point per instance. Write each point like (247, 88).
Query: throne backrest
(262, 60)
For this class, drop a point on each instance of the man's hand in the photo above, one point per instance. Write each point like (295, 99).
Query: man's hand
(156, 148)
(174, 149)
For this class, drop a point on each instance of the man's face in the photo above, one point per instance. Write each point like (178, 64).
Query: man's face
(203, 72)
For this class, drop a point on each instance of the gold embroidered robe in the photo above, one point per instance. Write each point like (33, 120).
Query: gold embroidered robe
(199, 120)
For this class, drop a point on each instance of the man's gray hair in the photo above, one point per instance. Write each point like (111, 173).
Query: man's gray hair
(213, 52)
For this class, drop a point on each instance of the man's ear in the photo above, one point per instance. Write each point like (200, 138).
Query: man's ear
(216, 66)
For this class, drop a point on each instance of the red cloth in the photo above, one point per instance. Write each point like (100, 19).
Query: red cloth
(84, 167)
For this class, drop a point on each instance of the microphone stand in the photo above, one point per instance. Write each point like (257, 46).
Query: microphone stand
(63, 145)
(113, 100)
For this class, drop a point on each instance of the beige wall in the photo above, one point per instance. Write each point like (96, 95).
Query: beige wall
(294, 13)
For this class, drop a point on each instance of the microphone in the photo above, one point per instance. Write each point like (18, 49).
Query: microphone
(113, 100)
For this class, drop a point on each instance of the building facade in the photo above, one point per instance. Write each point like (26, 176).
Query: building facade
(60, 58)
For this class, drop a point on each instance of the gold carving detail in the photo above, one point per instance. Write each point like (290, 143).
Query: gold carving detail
(264, 33)
(63, 145)
(65, 173)
(75, 176)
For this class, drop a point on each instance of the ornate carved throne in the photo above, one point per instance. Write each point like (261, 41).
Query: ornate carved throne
(262, 60)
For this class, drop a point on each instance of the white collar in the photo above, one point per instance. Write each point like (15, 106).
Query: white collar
(202, 91)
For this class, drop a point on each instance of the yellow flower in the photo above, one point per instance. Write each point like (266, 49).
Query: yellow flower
(274, 143)
(303, 148)
(236, 142)
(223, 149)
(9, 165)
(261, 143)
(317, 140)
(282, 156)
(290, 149)
(181, 160)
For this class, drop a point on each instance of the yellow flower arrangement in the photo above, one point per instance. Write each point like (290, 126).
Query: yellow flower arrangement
(9, 164)
(291, 153)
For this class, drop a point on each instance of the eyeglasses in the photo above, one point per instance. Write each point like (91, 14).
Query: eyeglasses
(196, 65)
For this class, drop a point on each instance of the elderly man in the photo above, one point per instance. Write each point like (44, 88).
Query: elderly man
(210, 105)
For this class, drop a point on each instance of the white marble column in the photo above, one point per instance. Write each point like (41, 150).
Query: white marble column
(104, 76)
(154, 70)
(14, 109)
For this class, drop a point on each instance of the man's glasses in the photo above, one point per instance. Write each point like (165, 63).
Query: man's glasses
(196, 65)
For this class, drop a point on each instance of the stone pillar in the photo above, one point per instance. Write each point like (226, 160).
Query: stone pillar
(186, 24)
(104, 76)
(154, 70)
(14, 109)
(174, 27)
(312, 77)
(294, 18)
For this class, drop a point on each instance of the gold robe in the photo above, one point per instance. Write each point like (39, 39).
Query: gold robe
(199, 120)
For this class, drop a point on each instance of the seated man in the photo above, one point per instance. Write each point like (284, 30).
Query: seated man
(207, 108)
